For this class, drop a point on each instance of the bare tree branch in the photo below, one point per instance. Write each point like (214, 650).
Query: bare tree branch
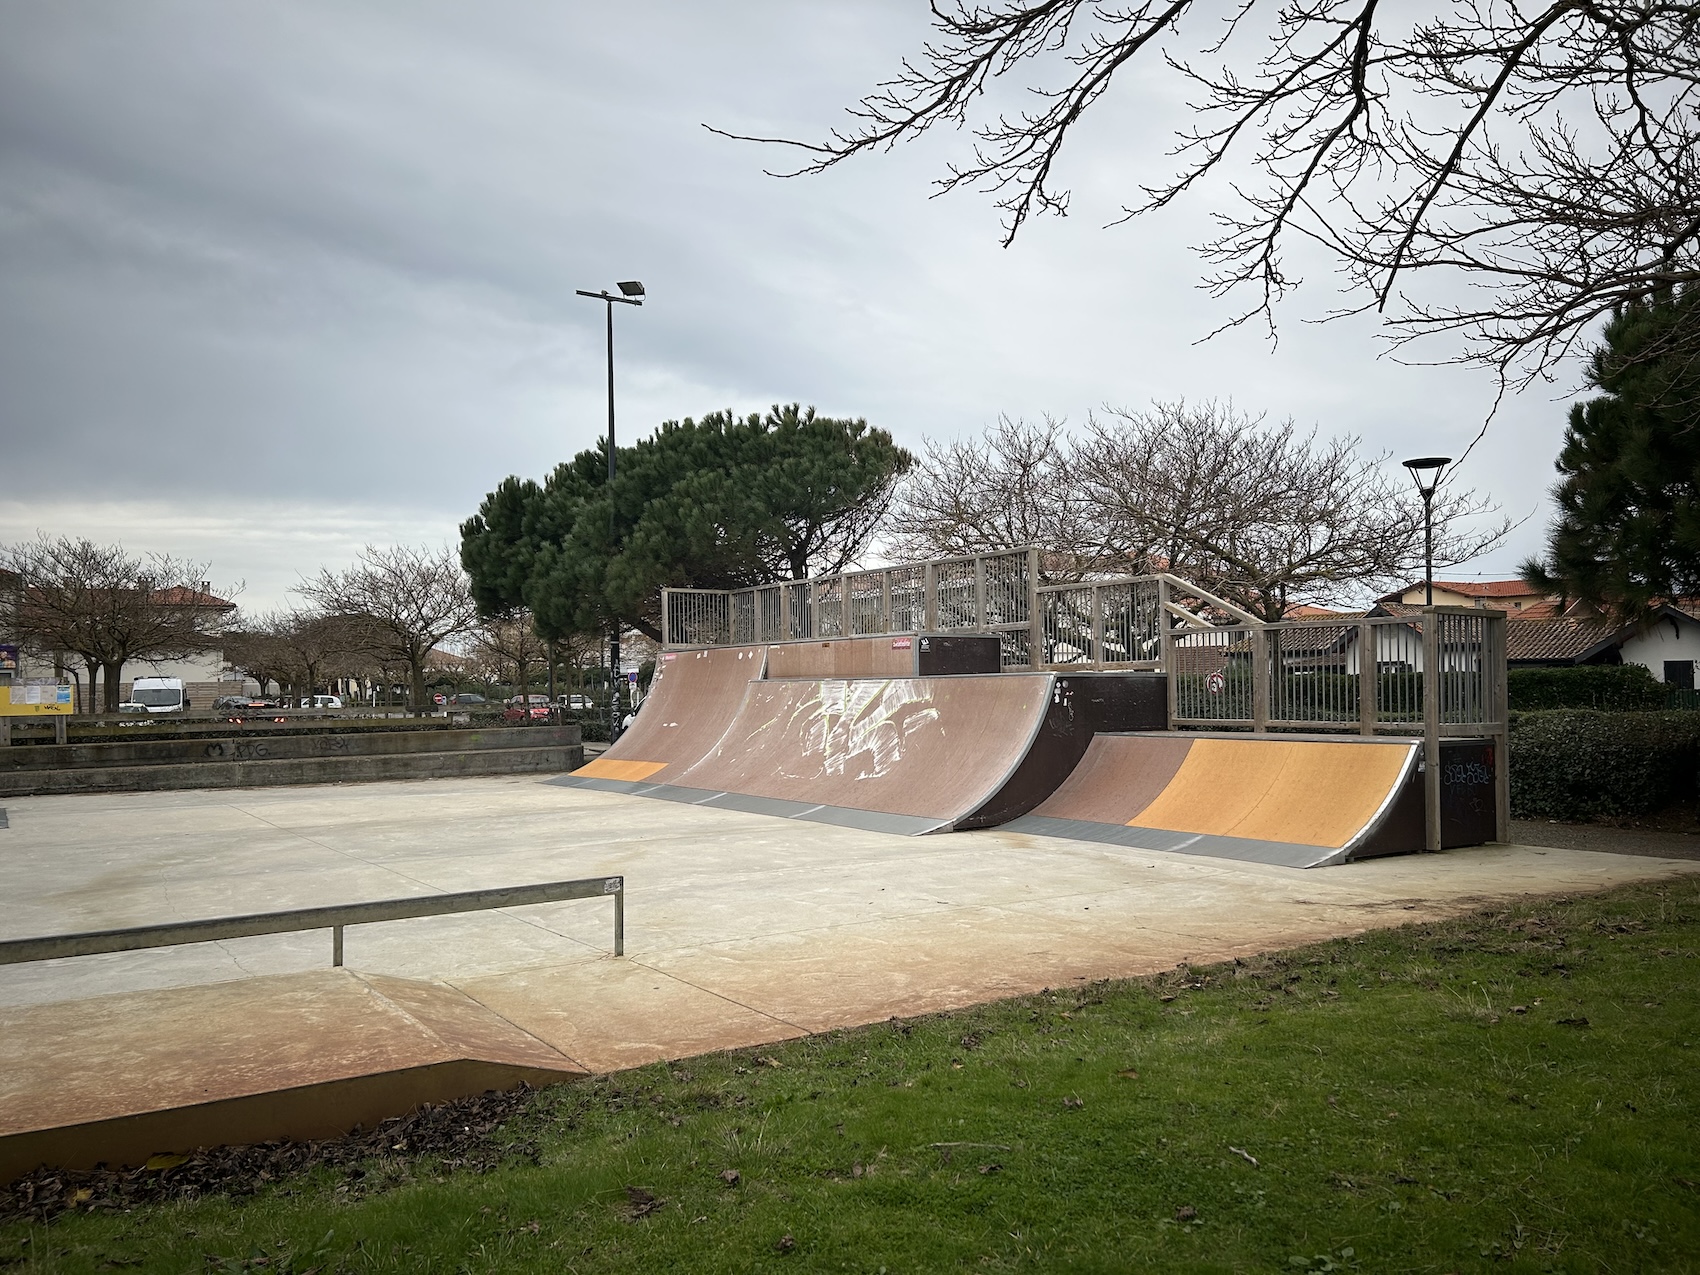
(1546, 155)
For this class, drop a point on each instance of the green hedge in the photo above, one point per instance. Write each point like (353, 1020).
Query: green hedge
(1584, 764)
(1625, 688)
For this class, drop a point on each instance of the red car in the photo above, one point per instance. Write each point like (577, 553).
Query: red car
(533, 707)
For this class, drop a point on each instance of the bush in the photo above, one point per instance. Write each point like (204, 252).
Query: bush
(1583, 764)
(1626, 688)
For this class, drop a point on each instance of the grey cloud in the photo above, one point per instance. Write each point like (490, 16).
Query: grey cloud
(324, 255)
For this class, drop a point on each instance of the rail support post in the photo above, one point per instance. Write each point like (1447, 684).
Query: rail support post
(1432, 673)
(1261, 675)
(336, 945)
(60, 734)
(1369, 681)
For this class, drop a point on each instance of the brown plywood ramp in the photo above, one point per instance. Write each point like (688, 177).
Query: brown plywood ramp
(281, 1056)
(910, 755)
(1295, 802)
(694, 699)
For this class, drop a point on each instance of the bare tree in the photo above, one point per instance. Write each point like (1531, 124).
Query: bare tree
(252, 649)
(1007, 489)
(1264, 515)
(1546, 154)
(108, 608)
(511, 644)
(398, 604)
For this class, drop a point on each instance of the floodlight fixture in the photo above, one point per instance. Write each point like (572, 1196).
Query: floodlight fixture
(1432, 466)
(631, 293)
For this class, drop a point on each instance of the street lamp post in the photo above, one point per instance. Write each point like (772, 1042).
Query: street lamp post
(1431, 466)
(631, 293)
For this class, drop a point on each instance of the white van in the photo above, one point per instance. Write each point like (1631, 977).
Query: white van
(155, 695)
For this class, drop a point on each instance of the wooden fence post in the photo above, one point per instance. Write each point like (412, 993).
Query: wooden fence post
(1432, 673)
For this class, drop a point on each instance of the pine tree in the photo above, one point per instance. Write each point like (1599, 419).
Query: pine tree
(721, 502)
(1627, 534)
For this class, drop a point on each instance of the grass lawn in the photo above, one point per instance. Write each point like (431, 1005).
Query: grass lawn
(1514, 1091)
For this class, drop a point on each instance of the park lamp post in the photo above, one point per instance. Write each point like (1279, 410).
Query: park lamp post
(631, 293)
(1431, 467)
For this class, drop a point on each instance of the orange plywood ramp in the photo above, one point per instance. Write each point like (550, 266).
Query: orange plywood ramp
(923, 751)
(694, 699)
(1299, 802)
(300, 1056)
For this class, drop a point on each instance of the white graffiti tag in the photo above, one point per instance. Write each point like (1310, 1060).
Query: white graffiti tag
(859, 728)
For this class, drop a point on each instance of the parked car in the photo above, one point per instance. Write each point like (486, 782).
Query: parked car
(575, 702)
(230, 703)
(528, 708)
(468, 697)
(321, 701)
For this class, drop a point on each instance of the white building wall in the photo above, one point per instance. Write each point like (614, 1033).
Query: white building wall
(1668, 639)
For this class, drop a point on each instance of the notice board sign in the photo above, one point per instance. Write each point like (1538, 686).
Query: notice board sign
(35, 701)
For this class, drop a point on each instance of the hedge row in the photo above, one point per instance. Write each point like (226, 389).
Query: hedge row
(1585, 764)
(1627, 688)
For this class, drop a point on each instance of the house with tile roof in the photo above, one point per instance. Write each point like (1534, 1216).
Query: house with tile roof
(1539, 633)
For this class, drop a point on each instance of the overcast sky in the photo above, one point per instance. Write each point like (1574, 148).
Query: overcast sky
(280, 279)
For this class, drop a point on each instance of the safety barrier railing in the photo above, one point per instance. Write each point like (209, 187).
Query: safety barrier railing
(982, 593)
(1386, 674)
(1123, 621)
(333, 918)
(1119, 622)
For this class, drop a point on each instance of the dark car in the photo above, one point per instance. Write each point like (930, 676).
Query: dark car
(467, 697)
(226, 703)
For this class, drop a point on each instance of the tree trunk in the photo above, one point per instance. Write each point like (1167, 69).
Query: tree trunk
(416, 666)
(549, 647)
(92, 668)
(111, 671)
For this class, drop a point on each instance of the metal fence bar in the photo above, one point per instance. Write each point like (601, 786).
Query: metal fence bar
(334, 918)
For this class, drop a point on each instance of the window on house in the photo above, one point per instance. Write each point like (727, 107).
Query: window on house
(1680, 673)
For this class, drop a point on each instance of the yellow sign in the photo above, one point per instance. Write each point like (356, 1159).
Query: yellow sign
(35, 701)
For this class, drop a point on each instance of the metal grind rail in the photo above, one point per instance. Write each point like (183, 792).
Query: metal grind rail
(334, 918)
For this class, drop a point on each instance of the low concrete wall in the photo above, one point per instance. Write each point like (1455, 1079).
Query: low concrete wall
(271, 747)
(271, 772)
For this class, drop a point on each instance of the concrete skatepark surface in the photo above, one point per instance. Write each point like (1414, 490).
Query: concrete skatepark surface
(740, 928)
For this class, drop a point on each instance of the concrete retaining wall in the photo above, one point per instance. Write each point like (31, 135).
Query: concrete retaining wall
(245, 747)
(250, 762)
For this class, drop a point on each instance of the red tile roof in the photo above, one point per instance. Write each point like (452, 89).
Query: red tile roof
(1567, 640)
(182, 595)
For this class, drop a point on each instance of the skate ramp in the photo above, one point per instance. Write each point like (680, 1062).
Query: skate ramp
(1294, 802)
(903, 755)
(907, 755)
(695, 697)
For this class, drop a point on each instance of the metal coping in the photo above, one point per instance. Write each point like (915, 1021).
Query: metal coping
(1281, 854)
(838, 816)
(333, 918)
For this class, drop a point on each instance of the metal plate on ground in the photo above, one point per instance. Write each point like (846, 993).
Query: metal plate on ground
(1281, 854)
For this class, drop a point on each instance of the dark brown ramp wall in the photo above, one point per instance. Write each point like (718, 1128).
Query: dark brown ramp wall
(694, 700)
(900, 655)
(1081, 706)
(935, 748)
